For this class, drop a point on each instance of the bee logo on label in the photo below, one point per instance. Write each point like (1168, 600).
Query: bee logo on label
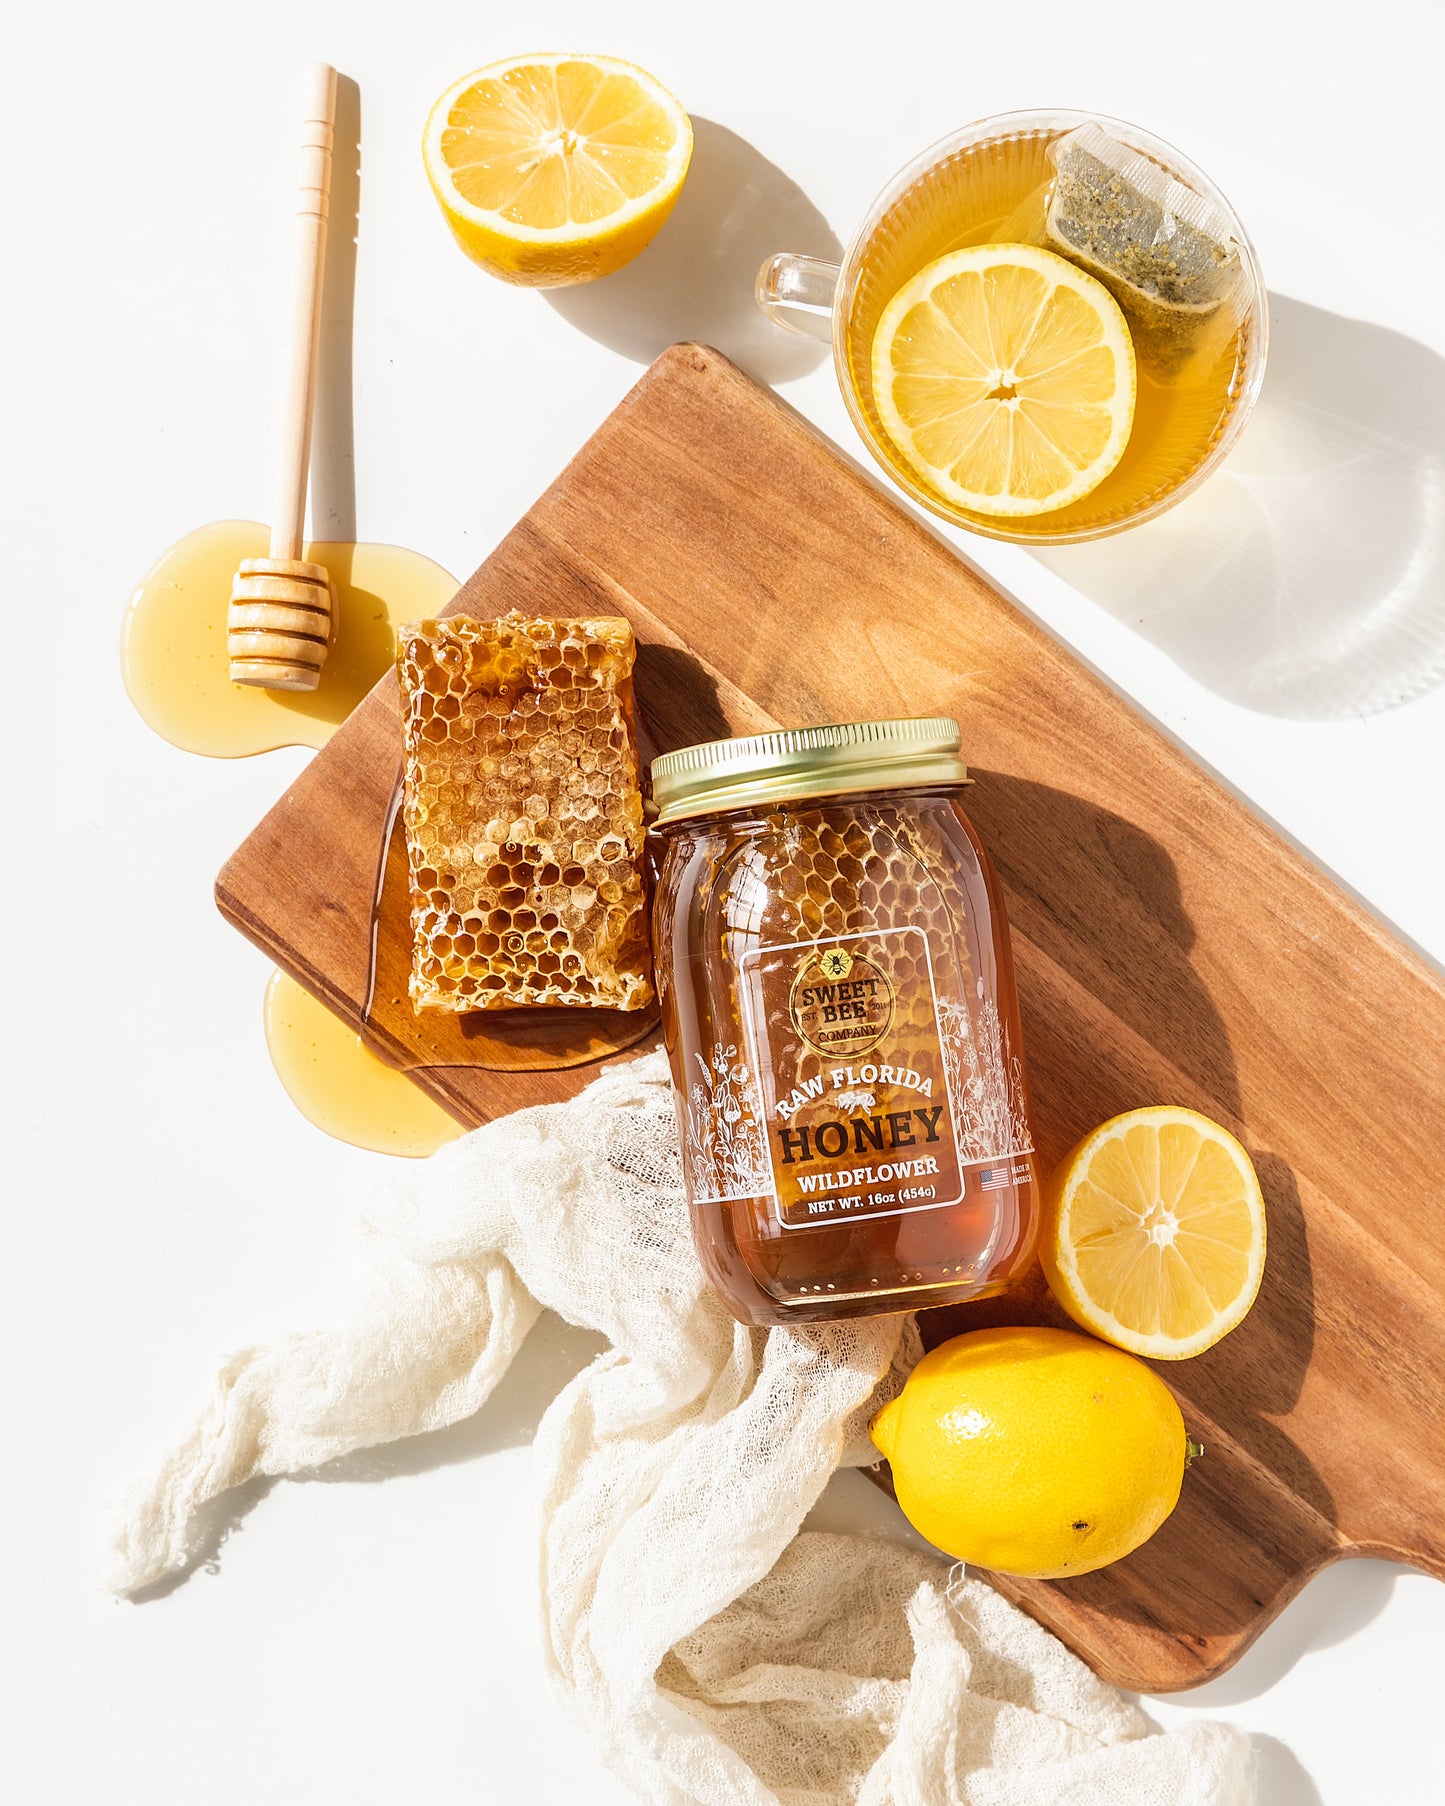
(841, 1002)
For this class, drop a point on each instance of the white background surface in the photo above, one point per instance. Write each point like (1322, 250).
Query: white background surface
(375, 1642)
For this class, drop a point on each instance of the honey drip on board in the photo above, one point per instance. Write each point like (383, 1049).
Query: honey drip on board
(173, 645)
(545, 1038)
(339, 1084)
(175, 666)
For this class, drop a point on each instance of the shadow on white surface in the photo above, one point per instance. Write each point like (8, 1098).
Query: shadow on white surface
(695, 281)
(1280, 1778)
(1332, 1608)
(852, 1505)
(1304, 579)
(553, 1354)
(216, 1523)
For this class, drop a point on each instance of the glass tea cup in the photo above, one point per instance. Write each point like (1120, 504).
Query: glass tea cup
(988, 184)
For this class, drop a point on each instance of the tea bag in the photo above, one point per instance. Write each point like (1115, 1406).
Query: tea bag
(1165, 253)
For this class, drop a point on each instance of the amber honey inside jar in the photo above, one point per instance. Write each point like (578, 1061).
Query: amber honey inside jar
(838, 1002)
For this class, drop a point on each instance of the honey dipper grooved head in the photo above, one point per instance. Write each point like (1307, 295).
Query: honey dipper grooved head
(278, 626)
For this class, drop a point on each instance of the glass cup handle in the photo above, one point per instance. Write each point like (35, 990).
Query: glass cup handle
(797, 292)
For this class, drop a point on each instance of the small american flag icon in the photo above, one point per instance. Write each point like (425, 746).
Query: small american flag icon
(993, 1178)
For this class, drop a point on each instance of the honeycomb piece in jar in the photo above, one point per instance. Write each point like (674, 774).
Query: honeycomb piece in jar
(837, 872)
(523, 815)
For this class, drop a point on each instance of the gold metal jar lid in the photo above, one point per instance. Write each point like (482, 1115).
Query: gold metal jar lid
(806, 762)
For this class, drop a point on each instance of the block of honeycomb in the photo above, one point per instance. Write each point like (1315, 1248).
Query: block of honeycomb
(523, 815)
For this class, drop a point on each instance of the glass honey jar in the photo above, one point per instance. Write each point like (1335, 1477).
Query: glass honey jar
(838, 1003)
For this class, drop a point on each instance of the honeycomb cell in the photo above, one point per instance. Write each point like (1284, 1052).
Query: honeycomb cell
(519, 701)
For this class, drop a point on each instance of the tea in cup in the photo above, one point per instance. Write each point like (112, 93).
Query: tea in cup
(1048, 328)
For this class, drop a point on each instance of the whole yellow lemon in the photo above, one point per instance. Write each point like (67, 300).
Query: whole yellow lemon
(1035, 1452)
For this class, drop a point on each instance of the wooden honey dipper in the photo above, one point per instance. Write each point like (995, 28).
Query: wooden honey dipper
(278, 625)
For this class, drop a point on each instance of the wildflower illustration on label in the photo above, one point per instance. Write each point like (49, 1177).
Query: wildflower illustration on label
(985, 1080)
(723, 1140)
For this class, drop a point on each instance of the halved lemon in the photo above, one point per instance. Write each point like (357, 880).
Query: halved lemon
(1005, 378)
(556, 169)
(1154, 1233)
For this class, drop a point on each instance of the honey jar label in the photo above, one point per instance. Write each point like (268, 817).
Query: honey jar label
(853, 1095)
(841, 1002)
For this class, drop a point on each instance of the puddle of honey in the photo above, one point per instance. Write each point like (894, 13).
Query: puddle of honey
(520, 1040)
(339, 1084)
(173, 659)
(173, 645)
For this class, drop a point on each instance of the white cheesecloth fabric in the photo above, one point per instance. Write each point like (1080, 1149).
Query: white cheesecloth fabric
(719, 1657)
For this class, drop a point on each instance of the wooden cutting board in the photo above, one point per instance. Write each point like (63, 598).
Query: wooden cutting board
(1170, 947)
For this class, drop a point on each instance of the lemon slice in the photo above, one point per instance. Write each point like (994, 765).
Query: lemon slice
(1154, 1235)
(556, 169)
(1005, 377)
